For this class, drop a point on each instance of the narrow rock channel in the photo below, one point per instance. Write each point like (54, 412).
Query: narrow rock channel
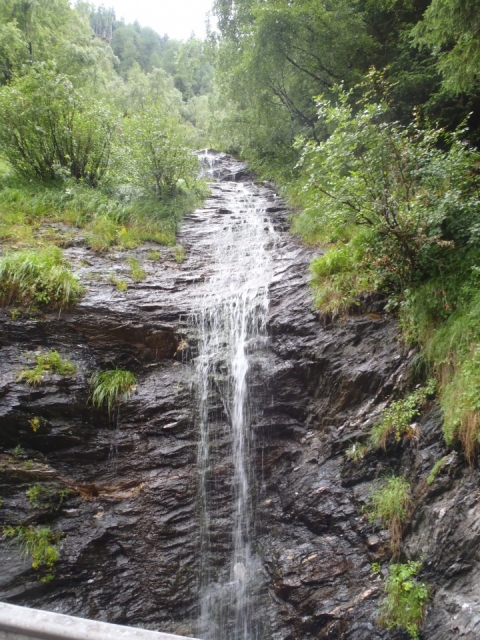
(189, 530)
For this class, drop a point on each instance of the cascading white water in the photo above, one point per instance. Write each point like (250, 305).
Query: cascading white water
(231, 328)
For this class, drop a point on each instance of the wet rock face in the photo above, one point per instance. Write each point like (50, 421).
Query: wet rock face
(129, 550)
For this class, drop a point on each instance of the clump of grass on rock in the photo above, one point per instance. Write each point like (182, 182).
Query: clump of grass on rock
(391, 503)
(110, 388)
(38, 278)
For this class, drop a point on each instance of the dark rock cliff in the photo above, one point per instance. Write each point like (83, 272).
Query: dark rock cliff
(129, 550)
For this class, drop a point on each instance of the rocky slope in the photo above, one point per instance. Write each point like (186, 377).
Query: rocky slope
(130, 522)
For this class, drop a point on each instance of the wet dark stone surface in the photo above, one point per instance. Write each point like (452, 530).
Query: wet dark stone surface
(130, 523)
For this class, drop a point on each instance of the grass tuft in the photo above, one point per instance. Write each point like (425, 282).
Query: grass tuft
(391, 503)
(137, 272)
(38, 278)
(39, 544)
(110, 388)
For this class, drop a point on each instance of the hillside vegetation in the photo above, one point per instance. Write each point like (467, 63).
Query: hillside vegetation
(367, 112)
(98, 121)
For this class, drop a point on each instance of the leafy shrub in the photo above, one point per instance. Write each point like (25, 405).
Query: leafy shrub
(38, 278)
(47, 126)
(160, 160)
(397, 418)
(50, 362)
(391, 504)
(394, 181)
(406, 599)
(39, 544)
(110, 388)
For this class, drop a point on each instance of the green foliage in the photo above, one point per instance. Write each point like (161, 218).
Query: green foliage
(38, 278)
(406, 599)
(397, 419)
(110, 388)
(179, 254)
(450, 29)
(43, 31)
(341, 275)
(138, 273)
(161, 159)
(34, 494)
(391, 503)
(50, 362)
(40, 545)
(444, 317)
(48, 127)
(461, 404)
(18, 451)
(393, 181)
(153, 255)
(356, 452)
(436, 469)
(120, 284)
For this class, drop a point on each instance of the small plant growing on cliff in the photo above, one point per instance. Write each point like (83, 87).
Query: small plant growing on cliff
(110, 388)
(137, 272)
(34, 494)
(38, 278)
(50, 362)
(356, 452)
(179, 254)
(391, 504)
(436, 469)
(153, 255)
(406, 599)
(40, 545)
(398, 418)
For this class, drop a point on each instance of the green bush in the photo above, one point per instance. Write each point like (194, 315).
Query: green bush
(38, 278)
(50, 362)
(110, 388)
(40, 545)
(398, 416)
(391, 503)
(160, 160)
(412, 202)
(406, 599)
(48, 127)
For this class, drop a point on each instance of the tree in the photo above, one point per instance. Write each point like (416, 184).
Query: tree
(46, 125)
(160, 159)
(451, 30)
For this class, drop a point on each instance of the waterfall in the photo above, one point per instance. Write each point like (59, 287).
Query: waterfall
(230, 321)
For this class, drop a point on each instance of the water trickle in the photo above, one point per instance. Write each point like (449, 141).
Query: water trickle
(231, 331)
